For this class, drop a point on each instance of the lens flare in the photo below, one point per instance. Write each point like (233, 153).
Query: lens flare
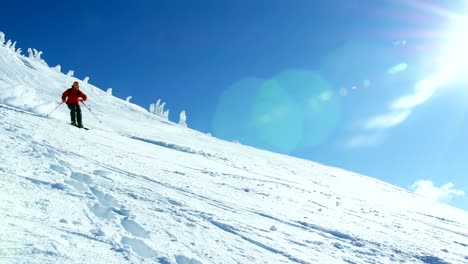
(295, 109)
(454, 58)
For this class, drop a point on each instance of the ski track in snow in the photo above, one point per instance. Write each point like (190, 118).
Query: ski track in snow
(104, 207)
(156, 193)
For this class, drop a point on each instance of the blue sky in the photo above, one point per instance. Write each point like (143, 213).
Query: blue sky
(375, 87)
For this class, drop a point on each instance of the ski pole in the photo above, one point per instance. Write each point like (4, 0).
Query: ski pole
(92, 112)
(55, 109)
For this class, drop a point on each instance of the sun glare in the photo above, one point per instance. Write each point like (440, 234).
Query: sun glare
(454, 58)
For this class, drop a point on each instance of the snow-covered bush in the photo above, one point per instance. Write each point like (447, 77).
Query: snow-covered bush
(37, 54)
(86, 79)
(34, 54)
(158, 109)
(13, 47)
(166, 114)
(183, 119)
(2, 38)
(57, 68)
(31, 54)
(70, 73)
(109, 91)
(10, 45)
(128, 98)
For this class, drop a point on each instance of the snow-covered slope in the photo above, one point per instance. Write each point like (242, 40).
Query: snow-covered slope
(139, 189)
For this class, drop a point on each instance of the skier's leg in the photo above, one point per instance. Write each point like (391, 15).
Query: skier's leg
(78, 115)
(72, 113)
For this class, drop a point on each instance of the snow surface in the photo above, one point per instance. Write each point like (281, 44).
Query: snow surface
(141, 189)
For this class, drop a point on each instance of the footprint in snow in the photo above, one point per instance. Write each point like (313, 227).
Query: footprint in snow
(133, 228)
(79, 186)
(184, 260)
(104, 198)
(102, 211)
(64, 164)
(78, 181)
(83, 178)
(58, 169)
(109, 208)
(139, 247)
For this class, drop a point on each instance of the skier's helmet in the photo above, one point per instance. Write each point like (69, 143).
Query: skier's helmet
(76, 84)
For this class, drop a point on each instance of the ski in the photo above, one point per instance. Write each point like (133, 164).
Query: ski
(85, 128)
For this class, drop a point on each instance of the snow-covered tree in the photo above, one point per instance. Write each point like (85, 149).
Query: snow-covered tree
(158, 109)
(8, 44)
(166, 114)
(58, 68)
(37, 54)
(70, 73)
(34, 54)
(13, 47)
(19, 51)
(128, 98)
(183, 119)
(31, 54)
(2, 38)
(109, 91)
(86, 79)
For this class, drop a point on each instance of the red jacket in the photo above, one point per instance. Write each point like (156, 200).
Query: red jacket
(73, 94)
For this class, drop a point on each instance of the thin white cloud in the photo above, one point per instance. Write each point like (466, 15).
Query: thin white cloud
(387, 120)
(412, 100)
(401, 108)
(444, 193)
(423, 91)
(364, 141)
(452, 66)
(451, 69)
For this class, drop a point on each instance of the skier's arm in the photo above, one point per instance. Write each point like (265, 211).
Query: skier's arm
(83, 96)
(64, 96)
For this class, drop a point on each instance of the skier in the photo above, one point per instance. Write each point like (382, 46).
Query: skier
(73, 96)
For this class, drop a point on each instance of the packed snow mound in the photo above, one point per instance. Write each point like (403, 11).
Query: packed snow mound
(140, 189)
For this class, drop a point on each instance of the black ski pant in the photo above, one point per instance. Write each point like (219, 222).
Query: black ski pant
(75, 113)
